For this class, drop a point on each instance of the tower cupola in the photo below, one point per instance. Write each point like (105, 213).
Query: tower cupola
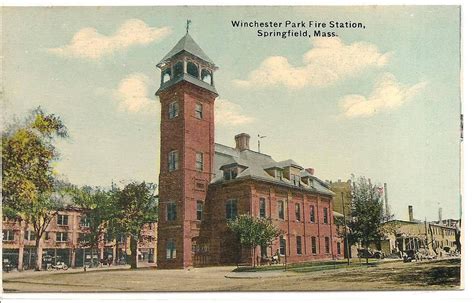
(187, 62)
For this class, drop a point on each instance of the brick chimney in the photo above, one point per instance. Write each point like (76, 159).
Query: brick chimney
(310, 171)
(410, 213)
(242, 141)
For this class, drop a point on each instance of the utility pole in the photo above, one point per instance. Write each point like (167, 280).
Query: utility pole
(346, 241)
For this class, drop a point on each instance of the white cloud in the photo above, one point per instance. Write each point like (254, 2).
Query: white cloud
(89, 43)
(229, 113)
(133, 94)
(387, 94)
(327, 62)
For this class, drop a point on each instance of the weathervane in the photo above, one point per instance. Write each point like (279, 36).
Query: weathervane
(187, 25)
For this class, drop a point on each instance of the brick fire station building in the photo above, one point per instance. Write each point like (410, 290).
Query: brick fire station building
(202, 184)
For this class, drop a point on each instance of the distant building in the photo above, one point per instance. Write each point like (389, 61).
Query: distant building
(342, 191)
(62, 239)
(438, 239)
(203, 184)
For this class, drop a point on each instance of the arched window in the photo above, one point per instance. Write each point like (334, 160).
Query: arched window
(178, 69)
(166, 75)
(192, 69)
(206, 76)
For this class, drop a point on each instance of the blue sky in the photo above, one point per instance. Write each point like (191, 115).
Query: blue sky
(382, 102)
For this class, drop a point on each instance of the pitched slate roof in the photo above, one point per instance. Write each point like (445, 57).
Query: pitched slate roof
(187, 44)
(255, 164)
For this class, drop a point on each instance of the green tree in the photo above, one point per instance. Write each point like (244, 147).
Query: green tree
(98, 209)
(28, 180)
(136, 205)
(367, 214)
(253, 232)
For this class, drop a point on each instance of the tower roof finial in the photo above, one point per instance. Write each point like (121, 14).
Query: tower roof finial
(188, 22)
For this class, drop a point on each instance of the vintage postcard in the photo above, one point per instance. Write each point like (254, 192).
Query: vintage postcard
(219, 148)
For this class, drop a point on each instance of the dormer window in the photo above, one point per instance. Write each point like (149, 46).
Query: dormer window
(295, 179)
(230, 173)
(278, 174)
(275, 172)
(311, 182)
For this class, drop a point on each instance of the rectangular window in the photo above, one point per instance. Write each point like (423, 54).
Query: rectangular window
(311, 214)
(281, 210)
(230, 173)
(326, 244)
(62, 220)
(199, 161)
(313, 245)
(278, 174)
(171, 211)
(198, 111)
(173, 110)
(298, 245)
(61, 237)
(338, 248)
(173, 160)
(199, 210)
(325, 215)
(282, 246)
(231, 209)
(170, 249)
(85, 222)
(295, 179)
(262, 208)
(8, 235)
(297, 212)
(30, 235)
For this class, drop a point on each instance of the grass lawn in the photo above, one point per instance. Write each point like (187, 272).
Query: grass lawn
(312, 266)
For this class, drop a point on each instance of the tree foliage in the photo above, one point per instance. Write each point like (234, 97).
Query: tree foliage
(253, 232)
(30, 190)
(28, 152)
(367, 213)
(98, 209)
(136, 205)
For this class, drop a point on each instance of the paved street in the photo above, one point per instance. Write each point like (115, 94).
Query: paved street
(386, 276)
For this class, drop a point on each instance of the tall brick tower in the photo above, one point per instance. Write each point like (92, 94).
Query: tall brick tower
(187, 97)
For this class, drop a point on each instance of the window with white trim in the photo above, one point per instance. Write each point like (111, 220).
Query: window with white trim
(8, 235)
(173, 160)
(170, 249)
(171, 211)
(198, 111)
(30, 235)
(199, 161)
(62, 220)
(231, 209)
(61, 236)
(173, 110)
